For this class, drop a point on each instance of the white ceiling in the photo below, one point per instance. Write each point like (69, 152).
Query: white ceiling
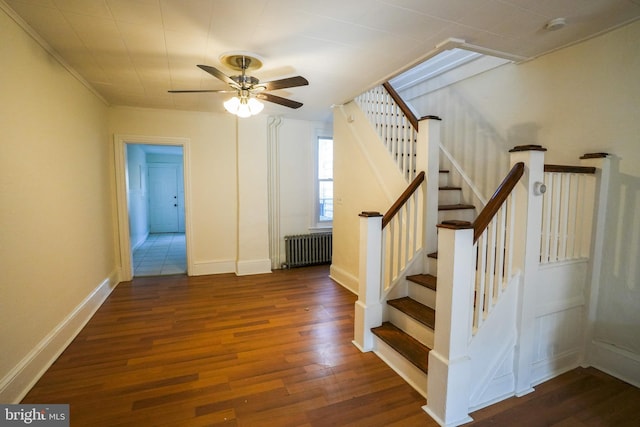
(132, 51)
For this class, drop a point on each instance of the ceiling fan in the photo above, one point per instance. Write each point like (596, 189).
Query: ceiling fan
(247, 88)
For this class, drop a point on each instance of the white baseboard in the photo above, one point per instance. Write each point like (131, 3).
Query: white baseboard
(615, 361)
(254, 266)
(136, 245)
(17, 383)
(344, 279)
(212, 267)
(240, 268)
(554, 366)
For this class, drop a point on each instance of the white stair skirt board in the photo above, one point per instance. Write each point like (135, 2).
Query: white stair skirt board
(17, 383)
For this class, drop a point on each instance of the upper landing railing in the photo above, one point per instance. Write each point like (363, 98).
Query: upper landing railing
(396, 125)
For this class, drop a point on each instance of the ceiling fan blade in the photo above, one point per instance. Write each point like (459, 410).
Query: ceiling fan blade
(285, 83)
(198, 91)
(279, 100)
(219, 74)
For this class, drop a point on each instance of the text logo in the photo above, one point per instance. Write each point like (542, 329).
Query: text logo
(34, 415)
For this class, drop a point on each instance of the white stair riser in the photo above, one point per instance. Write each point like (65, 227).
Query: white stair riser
(449, 197)
(411, 327)
(432, 266)
(423, 295)
(460, 214)
(443, 179)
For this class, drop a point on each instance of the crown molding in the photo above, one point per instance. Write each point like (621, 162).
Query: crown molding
(49, 49)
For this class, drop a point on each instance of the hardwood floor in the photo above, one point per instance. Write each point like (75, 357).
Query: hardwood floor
(269, 350)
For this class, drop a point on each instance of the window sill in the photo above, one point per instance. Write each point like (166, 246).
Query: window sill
(321, 229)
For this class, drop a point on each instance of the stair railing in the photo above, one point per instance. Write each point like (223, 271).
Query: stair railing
(493, 234)
(402, 232)
(389, 243)
(395, 123)
(395, 244)
(489, 280)
(478, 264)
(566, 225)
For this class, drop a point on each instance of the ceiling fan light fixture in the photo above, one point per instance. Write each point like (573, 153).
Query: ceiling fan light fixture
(243, 106)
(248, 88)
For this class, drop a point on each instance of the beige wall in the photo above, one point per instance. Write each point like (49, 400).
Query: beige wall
(357, 188)
(213, 174)
(56, 224)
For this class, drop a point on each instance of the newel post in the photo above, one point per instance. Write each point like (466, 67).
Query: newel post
(368, 310)
(449, 364)
(526, 255)
(427, 159)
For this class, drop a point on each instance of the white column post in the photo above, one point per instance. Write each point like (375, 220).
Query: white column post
(602, 163)
(252, 200)
(526, 254)
(428, 160)
(368, 310)
(449, 365)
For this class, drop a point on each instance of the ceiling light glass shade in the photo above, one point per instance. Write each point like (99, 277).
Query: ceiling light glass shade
(243, 107)
(232, 105)
(255, 106)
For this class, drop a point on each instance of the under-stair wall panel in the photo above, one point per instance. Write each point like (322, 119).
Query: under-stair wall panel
(492, 352)
(559, 316)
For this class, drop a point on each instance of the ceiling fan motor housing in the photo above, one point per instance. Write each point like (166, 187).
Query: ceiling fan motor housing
(245, 81)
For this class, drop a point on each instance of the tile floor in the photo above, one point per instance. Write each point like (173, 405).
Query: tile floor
(161, 254)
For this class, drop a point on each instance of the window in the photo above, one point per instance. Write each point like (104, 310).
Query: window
(325, 180)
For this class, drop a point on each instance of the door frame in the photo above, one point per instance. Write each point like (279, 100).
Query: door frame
(120, 143)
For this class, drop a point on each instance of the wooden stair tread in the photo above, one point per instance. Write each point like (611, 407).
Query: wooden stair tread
(407, 346)
(455, 206)
(433, 255)
(448, 187)
(415, 310)
(426, 280)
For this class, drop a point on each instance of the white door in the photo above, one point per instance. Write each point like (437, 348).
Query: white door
(164, 201)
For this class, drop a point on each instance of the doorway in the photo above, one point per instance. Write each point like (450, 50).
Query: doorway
(152, 174)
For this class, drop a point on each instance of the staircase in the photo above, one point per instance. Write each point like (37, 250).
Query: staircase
(409, 332)
(500, 275)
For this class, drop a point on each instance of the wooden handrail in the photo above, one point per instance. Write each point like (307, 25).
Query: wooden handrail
(569, 169)
(393, 210)
(496, 201)
(403, 105)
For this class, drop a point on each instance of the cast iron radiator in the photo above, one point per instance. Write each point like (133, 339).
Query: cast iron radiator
(307, 249)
